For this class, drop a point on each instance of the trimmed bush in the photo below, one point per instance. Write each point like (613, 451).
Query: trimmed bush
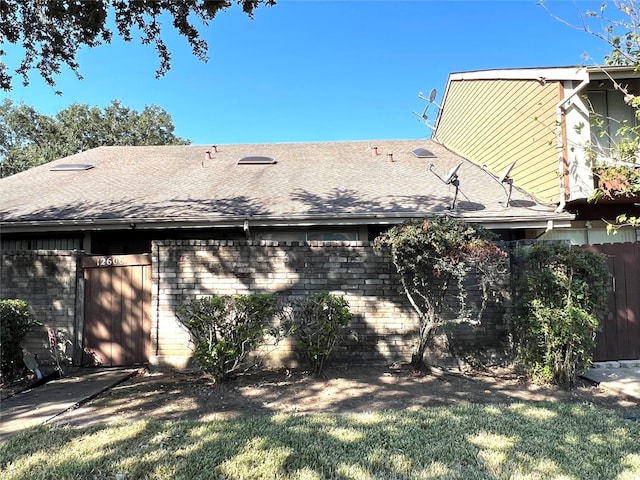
(15, 322)
(562, 294)
(225, 329)
(436, 258)
(317, 322)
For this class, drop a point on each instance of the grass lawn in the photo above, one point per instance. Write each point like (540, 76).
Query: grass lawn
(545, 441)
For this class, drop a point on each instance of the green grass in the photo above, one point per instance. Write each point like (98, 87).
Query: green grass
(544, 441)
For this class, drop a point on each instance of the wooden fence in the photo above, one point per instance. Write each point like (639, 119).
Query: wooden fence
(619, 338)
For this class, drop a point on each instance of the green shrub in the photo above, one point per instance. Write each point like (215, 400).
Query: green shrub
(15, 322)
(562, 293)
(225, 329)
(436, 258)
(317, 321)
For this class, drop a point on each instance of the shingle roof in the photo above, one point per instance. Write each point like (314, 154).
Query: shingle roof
(336, 180)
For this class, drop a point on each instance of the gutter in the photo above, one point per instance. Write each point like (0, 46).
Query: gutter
(280, 221)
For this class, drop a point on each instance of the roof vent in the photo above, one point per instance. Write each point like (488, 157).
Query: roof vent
(71, 167)
(256, 160)
(423, 153)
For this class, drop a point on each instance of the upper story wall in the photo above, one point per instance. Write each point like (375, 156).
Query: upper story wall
(593, 119)
(556, 123)
(496, 122)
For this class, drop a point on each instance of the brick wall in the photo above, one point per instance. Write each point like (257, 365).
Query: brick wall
(49, 282)
(383, 329)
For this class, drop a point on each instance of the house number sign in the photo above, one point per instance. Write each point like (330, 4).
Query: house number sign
(109, 261)
(99, 261)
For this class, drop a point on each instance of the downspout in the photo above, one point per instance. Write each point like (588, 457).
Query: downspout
(562, 143)
(247, 231)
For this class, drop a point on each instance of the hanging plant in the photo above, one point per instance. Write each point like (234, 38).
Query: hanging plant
(616, 182)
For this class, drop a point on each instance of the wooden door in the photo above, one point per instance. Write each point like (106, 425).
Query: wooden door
(117, 318)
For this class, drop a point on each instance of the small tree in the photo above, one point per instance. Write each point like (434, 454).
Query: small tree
(15, 322)
(434, 258)
(561, 296)
(317, 322)
(226, 329)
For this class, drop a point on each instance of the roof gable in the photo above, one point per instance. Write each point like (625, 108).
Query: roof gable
(496, 122)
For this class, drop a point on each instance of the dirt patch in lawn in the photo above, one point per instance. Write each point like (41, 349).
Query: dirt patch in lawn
(193, 396)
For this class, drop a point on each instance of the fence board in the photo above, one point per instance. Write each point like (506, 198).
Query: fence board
(117, 318)
(632, 274)
(619, 338)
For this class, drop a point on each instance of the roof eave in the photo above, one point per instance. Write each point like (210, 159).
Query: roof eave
(612, 71)
(541, 73)
(393, 218)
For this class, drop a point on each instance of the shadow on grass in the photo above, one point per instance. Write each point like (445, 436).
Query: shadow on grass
(472, 441)
(177, 396)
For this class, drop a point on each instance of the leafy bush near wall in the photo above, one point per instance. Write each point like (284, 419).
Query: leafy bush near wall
(561, 295)
(317, 321)
(434, 258)
(225, 329)
(15, 322)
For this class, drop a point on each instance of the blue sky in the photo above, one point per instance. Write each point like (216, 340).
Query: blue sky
(319, 70)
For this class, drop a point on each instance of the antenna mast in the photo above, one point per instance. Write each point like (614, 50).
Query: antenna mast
(502, 179)
(451, 178)
(430, 100)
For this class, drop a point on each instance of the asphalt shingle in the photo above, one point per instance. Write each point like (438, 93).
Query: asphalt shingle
(336, 179)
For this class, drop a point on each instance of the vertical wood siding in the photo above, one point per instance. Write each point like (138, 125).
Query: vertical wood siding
(619, 337)
(117, 311)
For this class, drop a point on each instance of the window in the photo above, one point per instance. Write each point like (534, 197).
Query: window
(609, 114)
(22, 244)
(331, 236)
(309, 236)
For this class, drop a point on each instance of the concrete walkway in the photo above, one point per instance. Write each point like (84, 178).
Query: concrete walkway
(621, 377)
(41, 404)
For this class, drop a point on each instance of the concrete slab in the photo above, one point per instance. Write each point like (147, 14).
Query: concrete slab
(620, 380)
(42, 404)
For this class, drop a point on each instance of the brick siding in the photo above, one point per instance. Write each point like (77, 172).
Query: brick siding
(384, 326)
(49, 282)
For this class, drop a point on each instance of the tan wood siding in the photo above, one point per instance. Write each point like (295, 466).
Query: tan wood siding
(497, 122)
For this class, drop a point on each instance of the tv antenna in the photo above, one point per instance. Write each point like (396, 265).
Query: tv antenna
(432, 97)
(451, 178)
(503, 179)
(430, 100)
